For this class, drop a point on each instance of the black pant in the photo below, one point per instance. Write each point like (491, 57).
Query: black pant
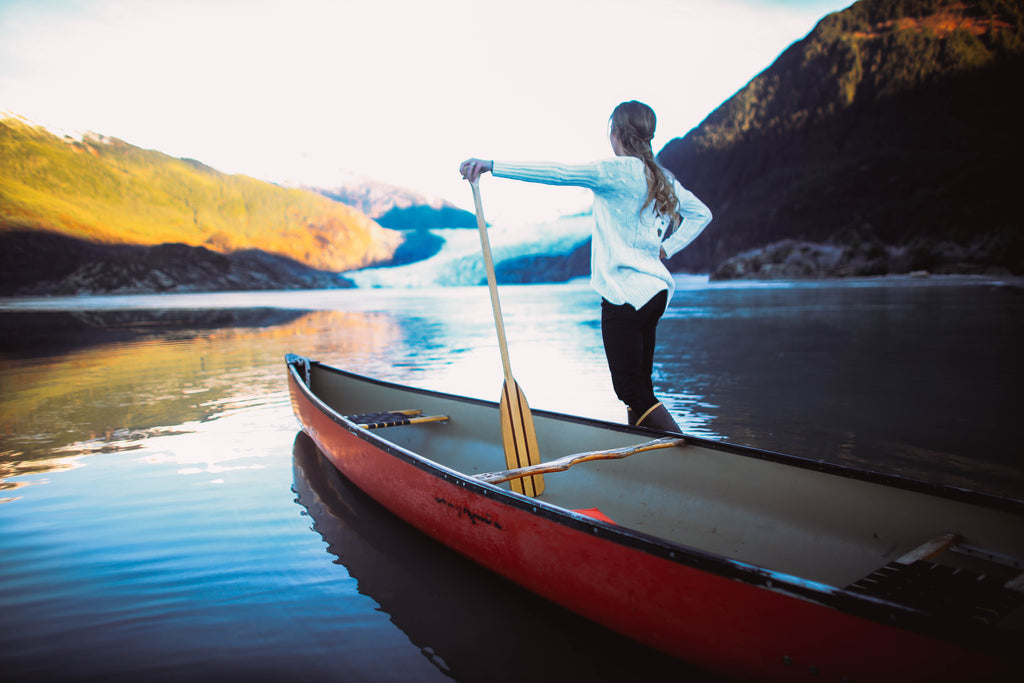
(629, 336)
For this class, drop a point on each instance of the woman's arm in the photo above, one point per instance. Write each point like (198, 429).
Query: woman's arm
(594, 176)
(696, 217)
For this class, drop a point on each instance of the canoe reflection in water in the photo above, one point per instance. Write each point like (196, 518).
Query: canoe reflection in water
(470, 623)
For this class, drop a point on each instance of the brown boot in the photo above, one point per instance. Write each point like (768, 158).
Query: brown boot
(630, 417)
(658, 417)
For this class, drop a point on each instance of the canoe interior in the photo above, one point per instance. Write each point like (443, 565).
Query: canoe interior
(723, 500)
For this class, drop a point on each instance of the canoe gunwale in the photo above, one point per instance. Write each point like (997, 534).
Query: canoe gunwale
(860, 605)
(1006, 504)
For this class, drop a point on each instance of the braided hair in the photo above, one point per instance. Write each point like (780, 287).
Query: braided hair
(634, 123)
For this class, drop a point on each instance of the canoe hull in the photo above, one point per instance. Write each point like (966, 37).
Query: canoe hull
(721, 615)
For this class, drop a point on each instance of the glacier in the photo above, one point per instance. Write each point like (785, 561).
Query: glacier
(460, 261)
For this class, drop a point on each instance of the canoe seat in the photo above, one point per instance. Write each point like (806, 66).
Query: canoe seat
(943, 590)
(394, 418)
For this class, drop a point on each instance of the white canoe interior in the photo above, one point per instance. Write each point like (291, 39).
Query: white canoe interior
(814, 525)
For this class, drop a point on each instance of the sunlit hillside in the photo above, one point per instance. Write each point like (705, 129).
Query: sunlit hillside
(107, 191)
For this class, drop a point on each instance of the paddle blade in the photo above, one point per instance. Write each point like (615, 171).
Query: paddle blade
(519, 439)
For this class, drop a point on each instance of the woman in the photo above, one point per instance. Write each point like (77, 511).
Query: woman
(641, 215)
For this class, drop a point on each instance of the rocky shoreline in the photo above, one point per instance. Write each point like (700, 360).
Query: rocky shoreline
(792, 259)
(46, 264)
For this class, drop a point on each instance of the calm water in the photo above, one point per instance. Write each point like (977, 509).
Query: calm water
(161, 518)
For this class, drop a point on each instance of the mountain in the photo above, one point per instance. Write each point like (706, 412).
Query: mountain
(103, 191)
(372, 197)
(396, 207)
(887, 140)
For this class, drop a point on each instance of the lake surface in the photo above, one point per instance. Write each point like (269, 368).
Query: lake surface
(162, 518)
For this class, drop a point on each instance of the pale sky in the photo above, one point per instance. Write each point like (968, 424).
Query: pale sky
(397, 90)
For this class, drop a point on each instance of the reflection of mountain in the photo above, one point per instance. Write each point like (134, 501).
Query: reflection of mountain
(102, 380)
(469, 622)
(35, 333)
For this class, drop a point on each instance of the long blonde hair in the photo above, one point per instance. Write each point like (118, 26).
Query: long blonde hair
(634, 124)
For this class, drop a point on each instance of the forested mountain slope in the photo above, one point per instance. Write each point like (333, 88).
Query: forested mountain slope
(108, 192)
(891, 132)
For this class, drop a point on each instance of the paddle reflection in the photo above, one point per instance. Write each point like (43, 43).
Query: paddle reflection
(470, 623)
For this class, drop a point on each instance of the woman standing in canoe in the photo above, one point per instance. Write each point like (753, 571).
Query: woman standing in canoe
(636, 204)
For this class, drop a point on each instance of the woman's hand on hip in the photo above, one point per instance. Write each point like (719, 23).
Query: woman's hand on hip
(472, 169)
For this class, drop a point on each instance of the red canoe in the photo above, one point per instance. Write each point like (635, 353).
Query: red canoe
(749, 564)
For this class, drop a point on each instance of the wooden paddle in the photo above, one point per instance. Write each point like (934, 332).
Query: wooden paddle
(517, 432)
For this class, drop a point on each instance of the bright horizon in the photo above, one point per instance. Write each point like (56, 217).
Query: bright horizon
(314, 91)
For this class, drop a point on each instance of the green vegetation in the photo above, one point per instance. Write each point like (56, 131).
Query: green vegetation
(106, 191)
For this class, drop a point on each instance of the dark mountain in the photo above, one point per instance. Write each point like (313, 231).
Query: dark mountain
(888, 140)
(425, 217)
(535, 269)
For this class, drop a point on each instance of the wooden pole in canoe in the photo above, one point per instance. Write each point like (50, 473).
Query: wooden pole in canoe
(517, 433)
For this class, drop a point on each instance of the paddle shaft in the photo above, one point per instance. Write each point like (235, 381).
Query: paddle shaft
(518, 436)
(492, 282)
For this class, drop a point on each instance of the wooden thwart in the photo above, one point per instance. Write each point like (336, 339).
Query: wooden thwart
(394, 418)
(931, 549)
(568, 461)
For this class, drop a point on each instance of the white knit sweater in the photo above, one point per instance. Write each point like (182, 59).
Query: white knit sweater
(625, 261)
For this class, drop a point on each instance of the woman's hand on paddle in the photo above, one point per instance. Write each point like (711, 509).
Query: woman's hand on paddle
(472, 169)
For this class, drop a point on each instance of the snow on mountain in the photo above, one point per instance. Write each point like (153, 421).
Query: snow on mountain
(373, 197)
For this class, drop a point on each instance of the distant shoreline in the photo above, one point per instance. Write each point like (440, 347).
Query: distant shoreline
(319, 299)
